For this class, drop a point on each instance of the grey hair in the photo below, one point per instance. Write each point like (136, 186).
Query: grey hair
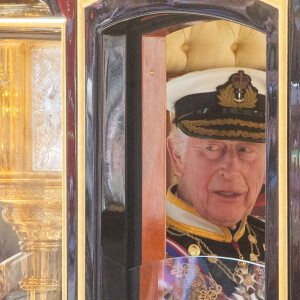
(179, 140)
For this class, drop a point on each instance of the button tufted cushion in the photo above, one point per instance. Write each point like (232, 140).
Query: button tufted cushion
(215, 44)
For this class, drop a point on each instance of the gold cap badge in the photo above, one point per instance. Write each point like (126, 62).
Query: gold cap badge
(238, 92)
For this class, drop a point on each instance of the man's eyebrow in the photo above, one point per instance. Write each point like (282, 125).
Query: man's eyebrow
(249, 144)
(207, 142)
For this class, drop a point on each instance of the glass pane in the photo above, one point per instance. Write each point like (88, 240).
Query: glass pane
(114, 123)
(30, 169)
(216, 99)
(199, 278)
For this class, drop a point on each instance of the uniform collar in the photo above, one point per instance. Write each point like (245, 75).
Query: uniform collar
(183, 216)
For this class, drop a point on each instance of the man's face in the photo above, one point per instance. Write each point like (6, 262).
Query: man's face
(221, 178)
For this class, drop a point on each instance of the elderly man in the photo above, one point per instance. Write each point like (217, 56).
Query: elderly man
(218, 154)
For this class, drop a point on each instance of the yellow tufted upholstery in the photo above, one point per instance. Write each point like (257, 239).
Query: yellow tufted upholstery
(215, 44)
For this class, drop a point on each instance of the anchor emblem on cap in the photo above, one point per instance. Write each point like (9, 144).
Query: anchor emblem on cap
(240, 82)
(238, 92)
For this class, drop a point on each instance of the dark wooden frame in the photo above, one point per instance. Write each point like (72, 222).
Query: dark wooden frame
(130, 19)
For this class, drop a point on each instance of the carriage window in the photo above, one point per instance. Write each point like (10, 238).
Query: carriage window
(216, 154)
(188, 102)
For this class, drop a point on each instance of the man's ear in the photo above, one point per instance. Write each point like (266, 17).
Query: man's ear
(175, 158)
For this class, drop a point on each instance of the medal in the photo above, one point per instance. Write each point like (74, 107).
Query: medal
(194, 250)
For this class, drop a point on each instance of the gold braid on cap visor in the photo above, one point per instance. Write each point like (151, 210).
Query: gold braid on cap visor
(197, 123)
(194, 126)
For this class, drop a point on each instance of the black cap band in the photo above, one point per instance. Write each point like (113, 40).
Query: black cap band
(206, 106)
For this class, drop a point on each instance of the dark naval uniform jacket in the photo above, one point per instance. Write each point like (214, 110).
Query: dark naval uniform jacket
(188, 234)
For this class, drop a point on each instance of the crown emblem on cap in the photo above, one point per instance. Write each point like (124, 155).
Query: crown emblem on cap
(238, 92)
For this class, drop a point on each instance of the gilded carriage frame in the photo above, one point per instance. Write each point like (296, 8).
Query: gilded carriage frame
(46, 29)
(81, 23)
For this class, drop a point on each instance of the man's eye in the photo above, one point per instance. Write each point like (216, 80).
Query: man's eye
(213, 148)
(245, 150)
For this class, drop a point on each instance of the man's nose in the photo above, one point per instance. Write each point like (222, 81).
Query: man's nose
(230, 164)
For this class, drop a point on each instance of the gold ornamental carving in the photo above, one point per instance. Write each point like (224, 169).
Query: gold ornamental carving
(24, 8)
(31, 166)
